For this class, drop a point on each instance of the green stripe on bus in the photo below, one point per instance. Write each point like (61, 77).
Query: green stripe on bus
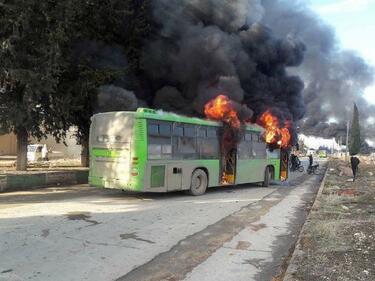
(106, 153)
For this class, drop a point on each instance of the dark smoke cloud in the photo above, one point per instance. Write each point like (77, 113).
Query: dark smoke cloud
(334, 78)
(100, 55)
(205, 48)
(112, 98)
(266, 54)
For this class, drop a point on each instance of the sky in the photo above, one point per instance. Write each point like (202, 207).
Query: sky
(354, 22)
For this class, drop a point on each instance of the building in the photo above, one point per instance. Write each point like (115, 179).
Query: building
(8, 146)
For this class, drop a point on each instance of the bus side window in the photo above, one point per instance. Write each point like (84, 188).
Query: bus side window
(165, 130)
(159, 141)
(245, 147)
(212, 133)
(187, 144)
(153, 129)
(248, 137)
(178, 130)
(256, 137)
(202, 132)
(209, 146)
(259, 147)
(189, 131)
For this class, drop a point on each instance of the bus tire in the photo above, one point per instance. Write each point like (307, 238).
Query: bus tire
(267, 177)
(199, 183)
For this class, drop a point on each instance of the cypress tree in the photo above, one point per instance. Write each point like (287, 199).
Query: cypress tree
(355, 133)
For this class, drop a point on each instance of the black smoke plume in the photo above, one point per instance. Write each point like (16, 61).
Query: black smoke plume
(265, 54)
(205, 48)
(334, 78)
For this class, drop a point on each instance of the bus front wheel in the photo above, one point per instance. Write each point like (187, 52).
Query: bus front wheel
(199, 182)
(267, 177)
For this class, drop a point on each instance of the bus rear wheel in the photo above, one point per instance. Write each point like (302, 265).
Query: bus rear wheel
(267, 177)
(199, 183)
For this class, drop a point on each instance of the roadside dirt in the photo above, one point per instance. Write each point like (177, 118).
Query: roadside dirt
(338, 240)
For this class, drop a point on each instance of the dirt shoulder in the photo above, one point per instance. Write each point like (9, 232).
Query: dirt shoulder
(338, 239)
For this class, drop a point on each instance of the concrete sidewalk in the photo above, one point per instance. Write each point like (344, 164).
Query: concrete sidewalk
(11, 181)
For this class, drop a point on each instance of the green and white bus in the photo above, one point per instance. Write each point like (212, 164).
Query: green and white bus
(154, 151)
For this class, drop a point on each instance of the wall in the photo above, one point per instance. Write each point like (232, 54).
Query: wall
(59, 150)
(8, 144)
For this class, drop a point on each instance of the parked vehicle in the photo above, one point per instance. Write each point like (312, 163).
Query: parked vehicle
(37, 152)
(313, 169)
(322, 154)
(311, 151)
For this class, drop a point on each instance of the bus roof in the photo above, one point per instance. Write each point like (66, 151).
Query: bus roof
(148, 113)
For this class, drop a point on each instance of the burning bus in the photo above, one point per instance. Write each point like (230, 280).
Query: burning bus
(154, 151)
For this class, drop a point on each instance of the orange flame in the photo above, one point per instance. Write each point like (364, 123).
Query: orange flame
(274, 134)
(222, 109)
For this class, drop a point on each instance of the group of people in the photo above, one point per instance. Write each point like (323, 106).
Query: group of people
(296, 163)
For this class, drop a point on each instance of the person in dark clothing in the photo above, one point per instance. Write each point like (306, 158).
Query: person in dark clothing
(295, 161)
(354, 161)
(311, 160)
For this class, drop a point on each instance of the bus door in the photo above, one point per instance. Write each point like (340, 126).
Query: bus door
(284, 164)
(229, 165)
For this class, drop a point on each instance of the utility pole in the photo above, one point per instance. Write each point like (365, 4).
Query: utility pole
(347, 141)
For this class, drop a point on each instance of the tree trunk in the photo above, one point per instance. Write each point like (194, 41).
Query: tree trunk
(85, 153)
(22, 139)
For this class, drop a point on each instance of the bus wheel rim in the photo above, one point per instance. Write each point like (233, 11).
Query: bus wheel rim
(197, 182)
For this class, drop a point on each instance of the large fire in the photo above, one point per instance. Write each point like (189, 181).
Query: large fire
(222, 109)
(274, 134)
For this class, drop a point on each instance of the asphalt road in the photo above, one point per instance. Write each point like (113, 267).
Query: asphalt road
(82, 233)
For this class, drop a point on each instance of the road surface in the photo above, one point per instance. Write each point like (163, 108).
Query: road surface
(82, 233)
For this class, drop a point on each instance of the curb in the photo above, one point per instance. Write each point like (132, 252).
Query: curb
(43, 179)
(293, 266)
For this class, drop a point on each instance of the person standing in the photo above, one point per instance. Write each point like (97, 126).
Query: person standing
(311, 160)
(354, 161)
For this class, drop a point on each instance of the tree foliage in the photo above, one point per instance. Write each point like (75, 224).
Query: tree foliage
(49, 70)
(98, 32)
(355, 133)
(30, 62)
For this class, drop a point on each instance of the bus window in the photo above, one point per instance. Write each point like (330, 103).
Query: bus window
(248, 136)
(255, 137)
(159, 141)
(259, 150)
(209, 148)
(189, 131)
(184, 142)
(165, 130)
(178, 130)
(273, 154)
(212, 133)
(159, 148)
(153, 129)
(154, 151)
(202, 132)
(244, 150)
